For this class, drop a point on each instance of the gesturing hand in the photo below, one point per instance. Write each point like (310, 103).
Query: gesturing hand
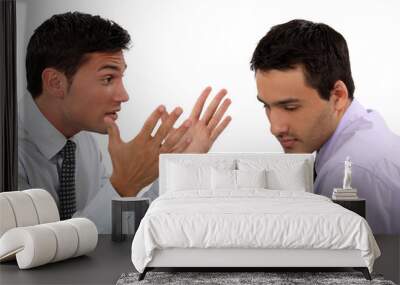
(205, 130)
(135, 163)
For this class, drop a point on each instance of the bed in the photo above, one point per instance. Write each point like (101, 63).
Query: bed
(247, 211)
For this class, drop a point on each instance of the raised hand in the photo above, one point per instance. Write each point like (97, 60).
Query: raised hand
(205, 129)
(135, 163)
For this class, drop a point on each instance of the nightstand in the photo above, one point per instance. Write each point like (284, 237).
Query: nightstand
(357, 206)
(126, 216)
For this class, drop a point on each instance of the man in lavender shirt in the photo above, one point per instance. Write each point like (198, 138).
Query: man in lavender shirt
(304, 80)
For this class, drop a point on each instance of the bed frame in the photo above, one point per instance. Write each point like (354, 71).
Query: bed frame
(234, 259)
(249, 259)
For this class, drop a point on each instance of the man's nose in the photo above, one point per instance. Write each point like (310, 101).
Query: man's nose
(279, 125)
(121, 95)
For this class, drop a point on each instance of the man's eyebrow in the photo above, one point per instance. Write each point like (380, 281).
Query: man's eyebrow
(112, 66)
(259, 99)
(279, 102)
(286, 101)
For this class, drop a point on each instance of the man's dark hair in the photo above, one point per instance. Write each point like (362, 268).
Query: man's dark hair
(319, 49)
(64, 40)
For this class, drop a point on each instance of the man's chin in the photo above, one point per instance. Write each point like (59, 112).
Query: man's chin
(295, 149)
(292, 150)
(98, 129)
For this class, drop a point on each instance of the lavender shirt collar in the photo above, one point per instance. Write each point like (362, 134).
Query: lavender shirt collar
(354, 112)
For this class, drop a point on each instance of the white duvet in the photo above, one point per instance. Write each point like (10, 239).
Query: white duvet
(251, 218)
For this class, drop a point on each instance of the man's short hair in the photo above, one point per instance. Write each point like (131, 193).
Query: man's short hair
(64, 40)
(320, 50)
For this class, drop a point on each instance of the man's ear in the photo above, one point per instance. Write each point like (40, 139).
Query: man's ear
(339, 96)
(54, 82)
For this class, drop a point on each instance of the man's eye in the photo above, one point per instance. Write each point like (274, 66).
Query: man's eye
(290, 108)
(107, 80)
(267, 109)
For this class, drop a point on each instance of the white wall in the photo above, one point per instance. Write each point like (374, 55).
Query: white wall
(181, 46)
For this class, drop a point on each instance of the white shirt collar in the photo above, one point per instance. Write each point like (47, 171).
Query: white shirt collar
(38, 129)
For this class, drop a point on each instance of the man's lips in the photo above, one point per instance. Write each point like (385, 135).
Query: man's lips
(113, 115)
(287, 143)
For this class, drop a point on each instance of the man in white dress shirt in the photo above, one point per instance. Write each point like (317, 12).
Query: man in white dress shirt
(304, 80)
(75, 65)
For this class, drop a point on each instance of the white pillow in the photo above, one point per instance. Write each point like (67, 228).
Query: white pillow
(236, 179)
(223, 179)
(281, 174)
(185, 177)
(251, 178)
(289, 179)
(203, 161)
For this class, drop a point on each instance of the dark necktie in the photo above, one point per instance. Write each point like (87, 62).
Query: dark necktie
(66, 194)
(315, 173)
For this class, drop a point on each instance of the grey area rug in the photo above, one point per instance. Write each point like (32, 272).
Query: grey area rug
(273, 278)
